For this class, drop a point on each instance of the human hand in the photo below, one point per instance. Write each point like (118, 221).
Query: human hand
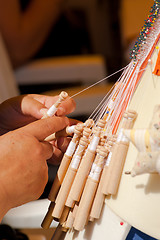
(19, 111)
(23, 155)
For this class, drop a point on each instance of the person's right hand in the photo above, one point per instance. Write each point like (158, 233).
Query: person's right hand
(23, 155)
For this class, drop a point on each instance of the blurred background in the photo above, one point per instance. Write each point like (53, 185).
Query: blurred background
(102, 28)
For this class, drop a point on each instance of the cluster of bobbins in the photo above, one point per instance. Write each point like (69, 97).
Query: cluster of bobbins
(90, 170)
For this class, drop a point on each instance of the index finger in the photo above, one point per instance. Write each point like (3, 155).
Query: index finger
(44, 127)
(66, 107)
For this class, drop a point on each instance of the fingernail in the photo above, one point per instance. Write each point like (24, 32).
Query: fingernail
(61, 141)
(61, 111)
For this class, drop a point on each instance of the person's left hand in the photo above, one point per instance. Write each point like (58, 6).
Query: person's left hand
(19, 111)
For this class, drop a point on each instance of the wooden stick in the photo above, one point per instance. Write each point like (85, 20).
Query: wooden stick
(52, 110)
(98, 200)
(65, 163)
(63, 193)
(48, 218)
(62, 171)
(84, 207)
(118, 164)
(75, 164)
(70, 175)
(71, 217)
(58, 233)
(64, 215)
(90, 190)
(68, 131)
(86, 163)
(118, 156)
(64, 166)
(84, 169)
(107, 172)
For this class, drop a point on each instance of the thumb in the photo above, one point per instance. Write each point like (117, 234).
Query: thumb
(31, 106)
(44, 127)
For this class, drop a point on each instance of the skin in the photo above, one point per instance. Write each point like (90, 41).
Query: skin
(23, 155)
(25, 31)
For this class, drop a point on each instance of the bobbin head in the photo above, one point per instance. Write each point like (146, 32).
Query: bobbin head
(130, 114)
(97, 131)
(112, 138)
(84, 141)
(102, 140)
(89, 123)
(98, 148)
(78, 129)
(103, 151)
(109, 144)
(63, 95)
(101, 123)
(86, 132)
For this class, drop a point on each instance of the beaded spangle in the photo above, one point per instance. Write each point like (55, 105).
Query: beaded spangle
(148, 30)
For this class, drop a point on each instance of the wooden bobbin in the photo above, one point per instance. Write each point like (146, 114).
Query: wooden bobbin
(68, 179)
(89, 123)
(101, 123)
(107, 171)
(107, 168)
(112, 139)
(86, 132)
(63, 193)
(70, 220)
(63, 95)
(89, 192)
(82, 212)
(48, 218)
(64, 215)
(68, 131)
(99, 197)
(103, 140)
(64, 164)
(74, 165)
(52, 110)
(58, 233)
(129, 118)
(118, 164)
(84, 168)
(118, 157)
(71, 217)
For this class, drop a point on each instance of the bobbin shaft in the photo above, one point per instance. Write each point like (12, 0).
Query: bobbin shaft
(118, 157)
(65, 163)
(90, 189)
(99, 198)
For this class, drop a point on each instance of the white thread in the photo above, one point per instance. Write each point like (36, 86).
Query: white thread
(71, 148)
(92, 146)
(99, 81)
